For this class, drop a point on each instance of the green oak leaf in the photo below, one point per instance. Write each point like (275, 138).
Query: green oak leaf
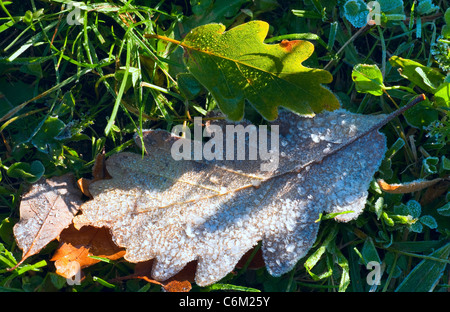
(236, 65)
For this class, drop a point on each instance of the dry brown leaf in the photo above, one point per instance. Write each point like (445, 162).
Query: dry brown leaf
(176, 212)
(435, 191)
(181, 282)
(410, 187)
(45, 210)
(83, 185)
(77, 245)
(99, 172)
(180, 211)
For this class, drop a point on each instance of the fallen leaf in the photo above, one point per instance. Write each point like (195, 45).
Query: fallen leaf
(78, 245)
(195, 210)
(180, 282)
(236, 65)
(176, 212)
(45, 210)
(402, 188)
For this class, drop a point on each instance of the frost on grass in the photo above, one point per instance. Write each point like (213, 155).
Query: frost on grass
(215, 211)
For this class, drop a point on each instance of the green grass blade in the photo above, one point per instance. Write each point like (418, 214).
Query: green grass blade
(121, 90)
(33, 41)
(425, 276)
(219, 286)
(43, 94)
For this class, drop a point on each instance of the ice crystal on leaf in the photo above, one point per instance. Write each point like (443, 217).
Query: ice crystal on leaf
(426, 7)
(215, 211)
(356, 12)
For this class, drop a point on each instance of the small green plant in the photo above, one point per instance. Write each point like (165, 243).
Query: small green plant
(386, 11)
(440, 49)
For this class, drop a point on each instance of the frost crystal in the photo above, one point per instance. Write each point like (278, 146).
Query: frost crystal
(356, 12)
(215, 211)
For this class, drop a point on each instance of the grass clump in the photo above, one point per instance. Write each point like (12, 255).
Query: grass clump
(79, 78)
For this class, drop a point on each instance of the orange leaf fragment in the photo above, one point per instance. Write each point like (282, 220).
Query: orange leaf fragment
(181, 282)
(67, 268)
(409, 187)
(99, 172)
(77, 245)
(83, 185)
(435, 191)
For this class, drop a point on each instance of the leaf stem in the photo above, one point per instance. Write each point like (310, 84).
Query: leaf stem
(151, 36)
(403, 109)
(355, 35)
(389, 118)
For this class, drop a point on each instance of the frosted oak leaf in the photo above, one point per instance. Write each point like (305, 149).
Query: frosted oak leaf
(215, 211)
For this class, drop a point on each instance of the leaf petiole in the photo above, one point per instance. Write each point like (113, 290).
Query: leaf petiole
(155, 36)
